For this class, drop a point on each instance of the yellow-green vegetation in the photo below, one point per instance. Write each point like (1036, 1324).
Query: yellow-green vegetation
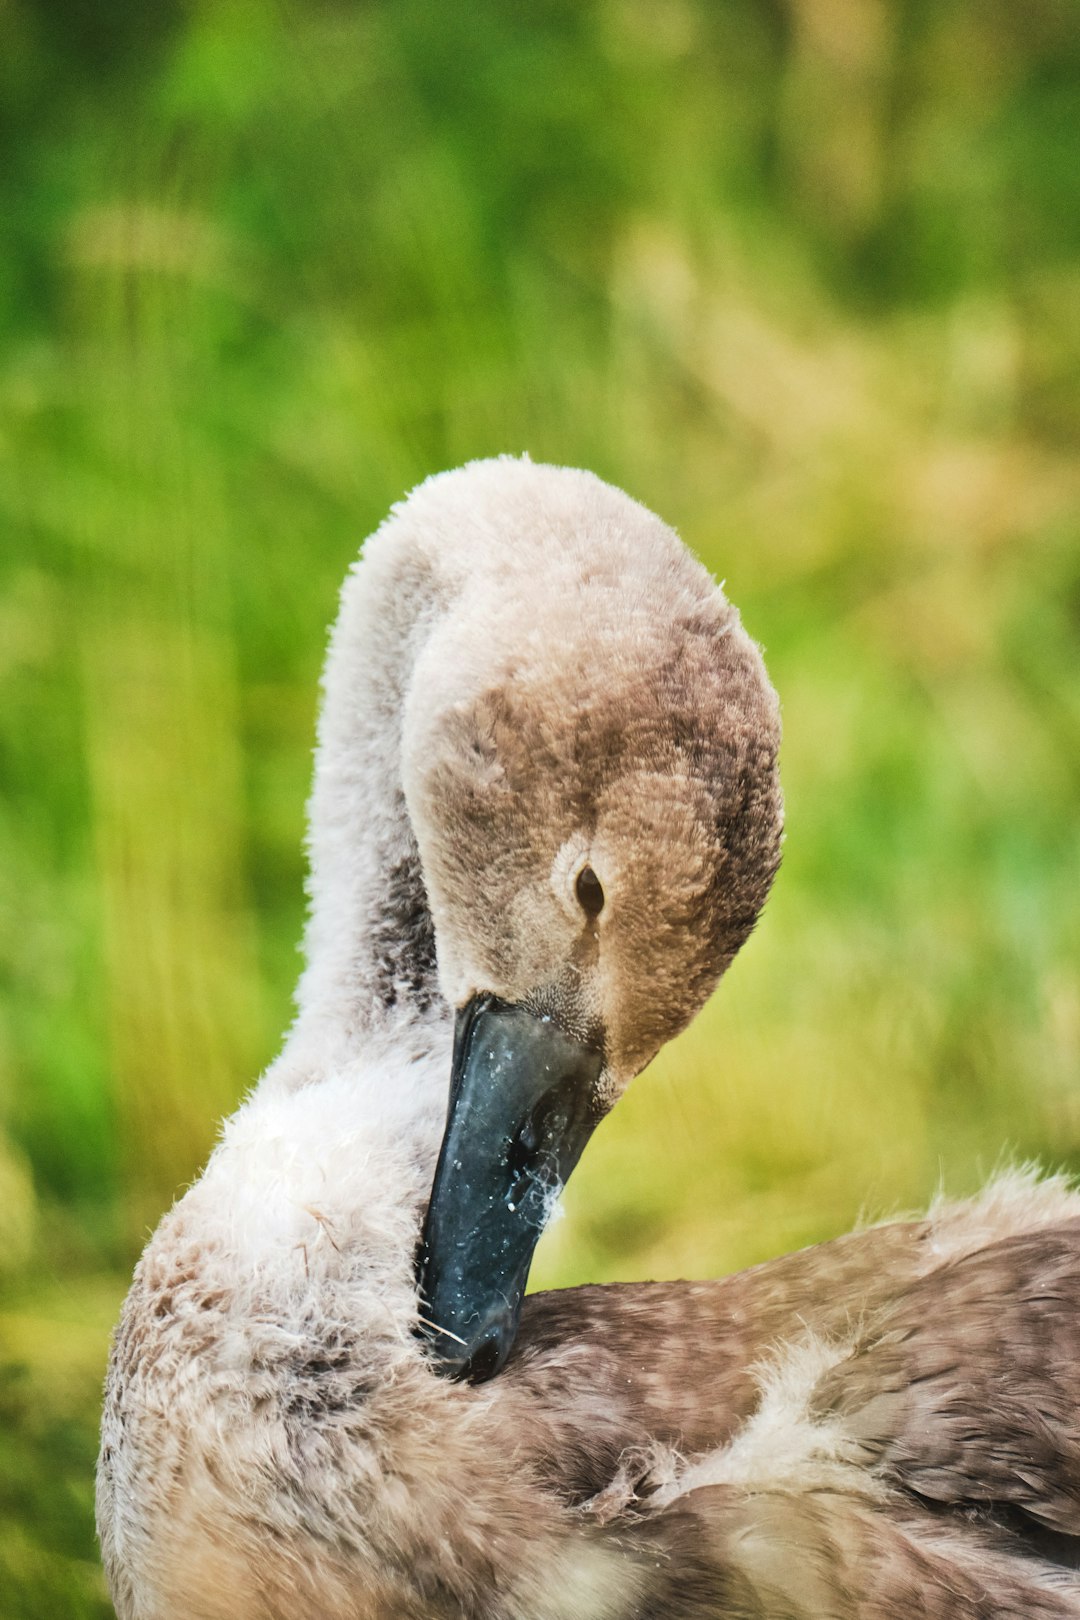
(804, 276)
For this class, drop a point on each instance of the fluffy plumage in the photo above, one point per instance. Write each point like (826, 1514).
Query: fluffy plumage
(528, 673)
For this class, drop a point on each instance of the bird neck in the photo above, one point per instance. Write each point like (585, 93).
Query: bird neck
(371, 970)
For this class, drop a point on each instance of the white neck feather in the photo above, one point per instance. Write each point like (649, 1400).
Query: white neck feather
(371, 978)
(332, 1157)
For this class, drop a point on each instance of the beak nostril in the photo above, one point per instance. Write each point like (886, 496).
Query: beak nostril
(524, 1148)
(524, 1161)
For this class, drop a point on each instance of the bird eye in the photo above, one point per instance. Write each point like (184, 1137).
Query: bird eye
(589, 892)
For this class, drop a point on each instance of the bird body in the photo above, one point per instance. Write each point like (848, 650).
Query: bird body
(546, 802)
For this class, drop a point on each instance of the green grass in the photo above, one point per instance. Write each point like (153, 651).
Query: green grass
(807, 281)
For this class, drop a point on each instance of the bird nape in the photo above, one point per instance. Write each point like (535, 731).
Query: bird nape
(546, 815)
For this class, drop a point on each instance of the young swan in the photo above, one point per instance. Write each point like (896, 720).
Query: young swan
(545, 816)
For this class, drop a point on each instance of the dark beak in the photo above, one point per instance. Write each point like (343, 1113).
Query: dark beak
(523, 1104)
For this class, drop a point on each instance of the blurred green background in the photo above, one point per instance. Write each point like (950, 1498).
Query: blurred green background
(804, 276)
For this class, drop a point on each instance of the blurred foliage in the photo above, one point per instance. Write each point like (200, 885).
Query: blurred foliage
(804, 276)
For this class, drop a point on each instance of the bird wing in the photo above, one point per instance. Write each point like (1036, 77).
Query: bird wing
(600, 1369)
(722, 1554)
(883, 1426)
(966, 1388)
